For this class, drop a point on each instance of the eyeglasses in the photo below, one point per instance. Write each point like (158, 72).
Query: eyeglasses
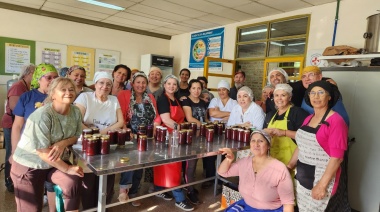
(308, 75)
(107, 84)
(49, 78)
(319, 93)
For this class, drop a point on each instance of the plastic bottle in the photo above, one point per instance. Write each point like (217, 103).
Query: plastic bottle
(10, 82)
(175, 136)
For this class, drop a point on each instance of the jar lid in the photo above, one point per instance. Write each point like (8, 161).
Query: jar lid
(87, 130)
(105, 137)
(97, 135)
(210, 129)
(94, 128)
(124, 159)
(88, 136)
(142, 136)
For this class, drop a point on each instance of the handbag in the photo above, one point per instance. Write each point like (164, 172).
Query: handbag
(230, 195)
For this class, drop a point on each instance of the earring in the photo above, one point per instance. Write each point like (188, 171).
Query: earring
(268, 152)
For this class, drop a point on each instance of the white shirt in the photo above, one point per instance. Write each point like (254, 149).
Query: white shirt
(98, 114)
(254, 114)
(217, 102)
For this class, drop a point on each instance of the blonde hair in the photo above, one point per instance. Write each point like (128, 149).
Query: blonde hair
(57, 83)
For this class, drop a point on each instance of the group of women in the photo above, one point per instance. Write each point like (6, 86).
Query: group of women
(289, 137)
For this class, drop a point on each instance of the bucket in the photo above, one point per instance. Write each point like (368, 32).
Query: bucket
(168, 175)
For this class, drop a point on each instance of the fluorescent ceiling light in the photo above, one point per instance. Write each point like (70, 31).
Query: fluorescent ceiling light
(256, 31)
(277, 44)
(296, 44)
(102, 4)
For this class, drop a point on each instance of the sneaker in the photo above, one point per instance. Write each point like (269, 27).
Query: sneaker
(193, 198)
(165, 196)
(184, 205)
(136, 203)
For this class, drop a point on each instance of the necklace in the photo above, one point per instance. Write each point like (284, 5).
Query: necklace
(26, 85)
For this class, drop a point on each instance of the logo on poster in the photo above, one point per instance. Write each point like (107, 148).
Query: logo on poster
(199, 50)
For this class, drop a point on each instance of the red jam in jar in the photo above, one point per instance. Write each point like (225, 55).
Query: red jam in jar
(113, 136)
(85, 142)
(189, 136)
(220, 129)
(149, 131)
(91, 147)
(95, 130)
(235, 134)
(86, 132)
(105, 145)
(194, 127)
(209, 135)
(128, 134)
(121, 137)
(142, 143)
(241, 135)
(228, 134)
(182, 134)
(202, 130)
(156, 135)
(247, 136)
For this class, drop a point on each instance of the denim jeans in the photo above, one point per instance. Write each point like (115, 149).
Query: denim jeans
(177, 193)
(131, 180)
(8, 152)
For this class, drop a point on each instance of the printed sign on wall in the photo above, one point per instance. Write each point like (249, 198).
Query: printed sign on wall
(206, 43)
(84, 57)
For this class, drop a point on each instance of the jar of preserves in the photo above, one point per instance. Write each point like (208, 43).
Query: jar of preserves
(235, 134)
(241, 135)
(128, 134)
(220, 129)
(210, 135)
(182, 135)
(98, 144)
(202, 131)
(163, 134)
(86, 132)
(105, 145)
(91, 147)
(141, 129)
(194, 128)
(189, 136)
(142, 143)
(95, 130)
(85, 142)
(156, 135)
(228, 134)
(149, 131)
(121, 137)
(113, 136)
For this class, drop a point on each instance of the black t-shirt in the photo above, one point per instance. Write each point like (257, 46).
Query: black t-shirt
(295, 118)
(198, 109)
(182, 92)
(163, 105)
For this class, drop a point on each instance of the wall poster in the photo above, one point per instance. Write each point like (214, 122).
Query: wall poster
(55, 54)
(106, 60)
(82, 56)
(16, 56)
(206, 43)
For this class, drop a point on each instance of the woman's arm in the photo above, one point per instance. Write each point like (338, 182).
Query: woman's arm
(16, 131)
(165, 117)
(57, 148)
(189, 115)
(119, 124)
(12, 101)
(319, 191)
(82, 111)
(226, 164)
(293, 161)
(216, 113)
(59, 164)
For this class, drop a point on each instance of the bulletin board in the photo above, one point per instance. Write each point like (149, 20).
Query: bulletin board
(15, 54)
(55, 54)
(82, 56)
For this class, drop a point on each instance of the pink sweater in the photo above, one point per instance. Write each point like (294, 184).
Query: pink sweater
(270, 188)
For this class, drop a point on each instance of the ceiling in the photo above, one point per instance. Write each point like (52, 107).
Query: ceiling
(160, 18)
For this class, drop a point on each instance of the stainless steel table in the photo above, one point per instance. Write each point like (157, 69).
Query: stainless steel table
(156, 154)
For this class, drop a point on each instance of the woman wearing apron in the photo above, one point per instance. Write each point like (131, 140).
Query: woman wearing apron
(283, 124)
(171, 113)
(322, 142)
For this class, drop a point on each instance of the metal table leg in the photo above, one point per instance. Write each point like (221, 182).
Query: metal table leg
(102, 193)
(218, 161)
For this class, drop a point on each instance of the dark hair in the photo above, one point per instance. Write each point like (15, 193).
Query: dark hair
(184, 69)
(125, 67)
(203, 78)
(195, 81)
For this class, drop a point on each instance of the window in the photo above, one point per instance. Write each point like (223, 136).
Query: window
(277, 39)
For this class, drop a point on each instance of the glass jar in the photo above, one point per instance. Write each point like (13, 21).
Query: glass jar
(91, 147)
(194, 127)
(202, 131)
(85, 142)
(241, 135)
(105, 145)
(128, 134)
(98, 143)
(189, 136)
(86, 132)
(149, 131)
(182, 135)
(95, 130)
(247, 136)
(142, 143)
(157, 132)
(209, 135)
(235, 134)
(113, 136)
(163, 134)
(141, 129)
(228, 134)
(121, 137)
(220, 129)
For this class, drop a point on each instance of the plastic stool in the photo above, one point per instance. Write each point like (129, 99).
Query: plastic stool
(60, 206)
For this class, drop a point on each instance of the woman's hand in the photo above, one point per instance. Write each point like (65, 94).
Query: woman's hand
(318, 192)
(56, 151)
(246, 124)
(228, 152)
(75, 170)
(182, 98)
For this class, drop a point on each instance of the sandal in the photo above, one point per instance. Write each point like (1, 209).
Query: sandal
(123, 197)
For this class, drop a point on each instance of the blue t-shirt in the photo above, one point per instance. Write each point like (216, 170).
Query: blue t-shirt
(26, 104)
(338, 107)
